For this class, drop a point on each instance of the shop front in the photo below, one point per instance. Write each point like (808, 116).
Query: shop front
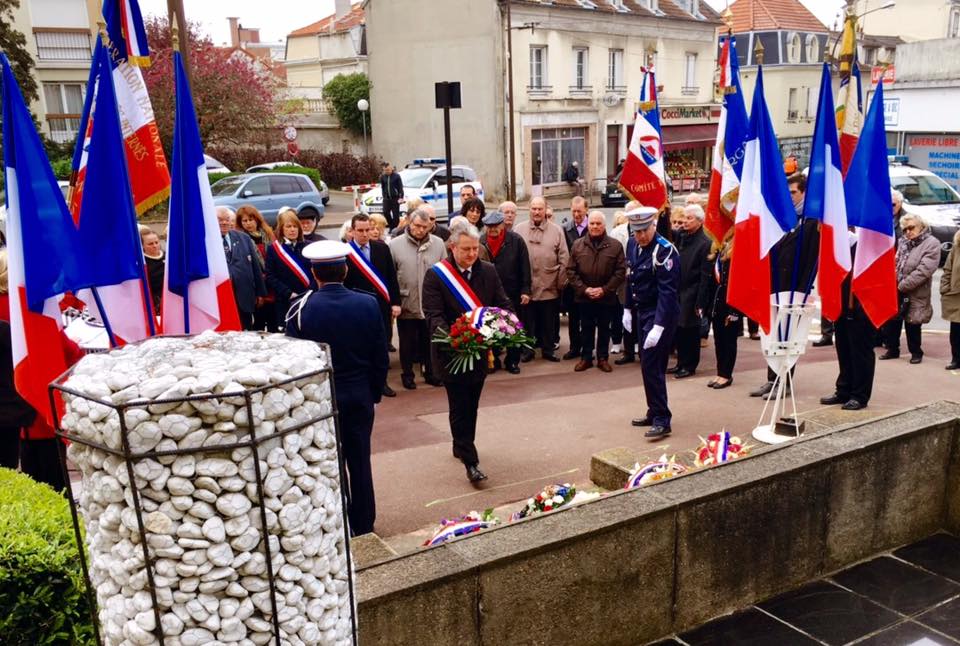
(689, 134)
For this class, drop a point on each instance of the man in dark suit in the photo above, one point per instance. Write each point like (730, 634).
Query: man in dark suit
(391, 190)
(371, 269)
(350, 323)
(508, 253)
(441, 308)
(696, 285)
(246, 275)
(573, 232)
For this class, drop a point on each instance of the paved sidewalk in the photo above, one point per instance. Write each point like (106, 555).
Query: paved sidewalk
(543, 425)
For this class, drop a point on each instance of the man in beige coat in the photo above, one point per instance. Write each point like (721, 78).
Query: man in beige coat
(548, 262)
(950, 300)
(414, 253)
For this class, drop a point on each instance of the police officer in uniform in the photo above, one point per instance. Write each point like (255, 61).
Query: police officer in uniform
(350, 322)
(651, 298)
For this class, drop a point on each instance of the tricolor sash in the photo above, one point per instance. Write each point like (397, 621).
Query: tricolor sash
(450, 277)
(370, 272)
(291, 263)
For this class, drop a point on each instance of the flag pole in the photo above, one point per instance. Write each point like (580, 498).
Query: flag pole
(176, 16)
(175, 33)
(103, 317)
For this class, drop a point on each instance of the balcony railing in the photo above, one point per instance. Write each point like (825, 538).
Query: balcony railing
(793, 115)
(616, 89)
(689, 90)
(580, 91)
(62, 44)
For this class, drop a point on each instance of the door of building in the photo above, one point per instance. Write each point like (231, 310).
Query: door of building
(613, 150)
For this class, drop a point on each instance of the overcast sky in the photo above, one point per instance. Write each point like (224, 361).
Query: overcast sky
(277, 18)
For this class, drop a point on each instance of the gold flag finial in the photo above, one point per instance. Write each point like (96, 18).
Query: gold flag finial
(728, 19)
(175, 32)
(758, 52)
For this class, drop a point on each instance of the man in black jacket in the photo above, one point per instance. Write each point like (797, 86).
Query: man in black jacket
(574, 230)
(508, 253)
(246, 275)
(391, 190)
(372, 271)
(441, 308)
(696, 284)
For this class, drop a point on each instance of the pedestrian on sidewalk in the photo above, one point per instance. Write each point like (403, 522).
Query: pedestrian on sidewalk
(391, 193)
(547, 248)
(508, 253)
(950, 300)
(595, 272)
(575, 230)
(918, 255)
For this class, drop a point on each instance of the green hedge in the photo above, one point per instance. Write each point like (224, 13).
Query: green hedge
(42, 595)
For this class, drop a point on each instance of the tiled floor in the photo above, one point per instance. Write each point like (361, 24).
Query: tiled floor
(908, 598)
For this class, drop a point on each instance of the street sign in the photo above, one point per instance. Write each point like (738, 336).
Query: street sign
(891, 112)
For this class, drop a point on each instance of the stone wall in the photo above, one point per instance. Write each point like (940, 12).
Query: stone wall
(637, 565)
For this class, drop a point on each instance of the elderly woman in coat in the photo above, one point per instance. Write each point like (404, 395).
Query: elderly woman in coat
(918, 254)
(950, 300)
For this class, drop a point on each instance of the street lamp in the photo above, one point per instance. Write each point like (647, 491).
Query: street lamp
(363, 105)
(890, 4)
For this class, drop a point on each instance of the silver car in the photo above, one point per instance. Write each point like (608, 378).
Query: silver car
(259, 168)
(268, 192)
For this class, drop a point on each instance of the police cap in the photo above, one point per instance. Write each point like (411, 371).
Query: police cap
(326, 252)
(642, 217)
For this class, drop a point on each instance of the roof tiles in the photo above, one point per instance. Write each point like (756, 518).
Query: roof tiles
(351, 19)
(767, 15)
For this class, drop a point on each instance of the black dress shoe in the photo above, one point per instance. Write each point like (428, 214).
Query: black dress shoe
(513, 369)
(388, 391)
(474, 474)
(853, 404)
(823, 342)
(683, 373)
(720, 386)
(549, 356)
(762, 390)
(408, 382)
(571, 354)
(886, 356)
(642, 421)
(916, 358)
(527, 356)
(624, 360)
(657, 432)
(673, 369)
(833, 400)
(953, 365)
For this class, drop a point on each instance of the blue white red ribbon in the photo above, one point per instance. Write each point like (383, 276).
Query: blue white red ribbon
(369, 272)
(457, 286)
(458, 529)
(291, 263)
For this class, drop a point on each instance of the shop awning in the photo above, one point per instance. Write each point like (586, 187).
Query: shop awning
(696, 136)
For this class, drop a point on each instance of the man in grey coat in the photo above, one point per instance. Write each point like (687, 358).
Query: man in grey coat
(246, 275)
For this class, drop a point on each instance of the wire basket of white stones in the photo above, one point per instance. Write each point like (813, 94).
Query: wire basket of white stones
(210, 498)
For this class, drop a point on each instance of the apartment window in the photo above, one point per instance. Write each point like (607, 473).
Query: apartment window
(62, 44)
(690, 74)
(619, 6)
(553, 150)
(792, 112)
(538, 67)
(813, 97)
(64, 107)
(794, 47)
(581, 70)
(813, 49)
(615, 70)
(953, 29)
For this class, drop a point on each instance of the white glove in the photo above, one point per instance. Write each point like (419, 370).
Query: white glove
(653, 337)
(627, 320)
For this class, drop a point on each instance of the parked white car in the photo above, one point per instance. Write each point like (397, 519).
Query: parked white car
(927, 195)
(428, 180)
(213, 166)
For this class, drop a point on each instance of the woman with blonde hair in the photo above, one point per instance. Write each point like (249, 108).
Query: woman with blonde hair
(379, 231)
(156, 263)
(918, 255)
(288, 272)
(252, 222)
(727, 322)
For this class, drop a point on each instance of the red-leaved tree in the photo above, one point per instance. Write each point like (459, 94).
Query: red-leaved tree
(236, 97)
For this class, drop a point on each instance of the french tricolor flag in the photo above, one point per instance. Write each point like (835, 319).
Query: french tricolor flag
(764, 214)
(728, 152)
(197, 293)
(642, 177)
(126, 45)
(112, 284)
(825, 201)
(867, 187)
(42, 244)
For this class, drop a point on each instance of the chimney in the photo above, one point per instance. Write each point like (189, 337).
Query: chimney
(234, 31)
(342, 8)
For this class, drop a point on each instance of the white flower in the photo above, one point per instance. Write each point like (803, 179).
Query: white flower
(558, 500)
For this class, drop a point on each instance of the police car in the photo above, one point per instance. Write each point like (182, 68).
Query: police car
(427, 178)
(927, 195)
